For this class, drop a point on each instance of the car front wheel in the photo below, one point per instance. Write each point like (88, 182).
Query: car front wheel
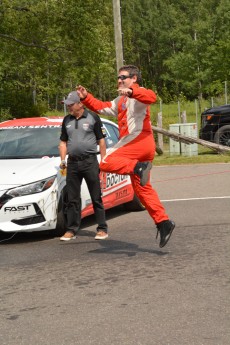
(60, 227)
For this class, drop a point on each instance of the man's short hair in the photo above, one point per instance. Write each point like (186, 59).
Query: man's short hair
(133, 70)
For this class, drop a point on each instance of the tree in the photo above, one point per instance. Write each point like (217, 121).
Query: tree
(50, 46)
(47, 51)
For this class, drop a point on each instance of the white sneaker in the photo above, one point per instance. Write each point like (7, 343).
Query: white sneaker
(68, 236)
(101, 235)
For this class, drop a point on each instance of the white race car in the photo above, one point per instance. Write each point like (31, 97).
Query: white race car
(32, 186)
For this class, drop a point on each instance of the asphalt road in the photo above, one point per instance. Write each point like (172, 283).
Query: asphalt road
(126, 290)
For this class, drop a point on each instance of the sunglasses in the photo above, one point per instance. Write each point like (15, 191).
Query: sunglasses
(123, 77)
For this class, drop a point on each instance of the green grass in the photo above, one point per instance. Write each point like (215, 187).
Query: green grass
(170, 111)
(204, 156)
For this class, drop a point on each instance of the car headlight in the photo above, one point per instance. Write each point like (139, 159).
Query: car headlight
(32, 188)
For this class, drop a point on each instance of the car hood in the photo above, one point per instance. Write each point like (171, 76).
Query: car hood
(16, 172)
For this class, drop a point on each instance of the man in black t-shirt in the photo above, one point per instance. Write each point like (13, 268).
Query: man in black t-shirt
(80, 134)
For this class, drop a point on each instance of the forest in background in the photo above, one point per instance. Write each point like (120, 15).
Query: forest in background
(49, 46)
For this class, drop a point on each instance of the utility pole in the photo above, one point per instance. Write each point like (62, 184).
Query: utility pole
(118, 33)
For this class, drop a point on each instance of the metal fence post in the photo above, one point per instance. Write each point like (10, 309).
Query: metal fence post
(160, 143)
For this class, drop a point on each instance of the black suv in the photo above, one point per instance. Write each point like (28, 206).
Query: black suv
(215, 125)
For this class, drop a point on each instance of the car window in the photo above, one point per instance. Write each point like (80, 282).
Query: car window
(29, 142)
(112, 135)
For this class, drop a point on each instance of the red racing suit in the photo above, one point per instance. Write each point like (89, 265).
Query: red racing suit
(136, 142)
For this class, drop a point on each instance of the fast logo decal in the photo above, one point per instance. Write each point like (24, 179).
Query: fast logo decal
(17, 208)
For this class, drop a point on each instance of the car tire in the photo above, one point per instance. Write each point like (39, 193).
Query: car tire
(134, 205)
(222, 136)
(61, 214)
(60, 226)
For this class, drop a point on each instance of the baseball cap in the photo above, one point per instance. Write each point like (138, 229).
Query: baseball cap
(72, 98)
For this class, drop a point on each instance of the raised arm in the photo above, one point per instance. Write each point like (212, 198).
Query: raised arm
(94, 104)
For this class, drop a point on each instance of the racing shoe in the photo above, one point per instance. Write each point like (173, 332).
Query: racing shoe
(165, 229)
(142, 170)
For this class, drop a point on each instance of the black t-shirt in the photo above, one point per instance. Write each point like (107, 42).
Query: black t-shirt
(82, 134)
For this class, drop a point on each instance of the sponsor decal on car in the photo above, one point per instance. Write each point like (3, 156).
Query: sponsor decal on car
(31, 126)
(121, 193)
(109, 180)
(17, 208)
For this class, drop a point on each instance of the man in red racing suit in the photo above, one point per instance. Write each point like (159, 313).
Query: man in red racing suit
(135, 150)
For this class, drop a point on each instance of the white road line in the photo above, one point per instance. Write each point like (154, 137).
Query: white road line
(204, 198)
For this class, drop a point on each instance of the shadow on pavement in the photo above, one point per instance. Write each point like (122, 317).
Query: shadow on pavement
(120, 247)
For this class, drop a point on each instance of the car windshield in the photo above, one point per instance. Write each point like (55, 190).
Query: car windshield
(22, 143)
